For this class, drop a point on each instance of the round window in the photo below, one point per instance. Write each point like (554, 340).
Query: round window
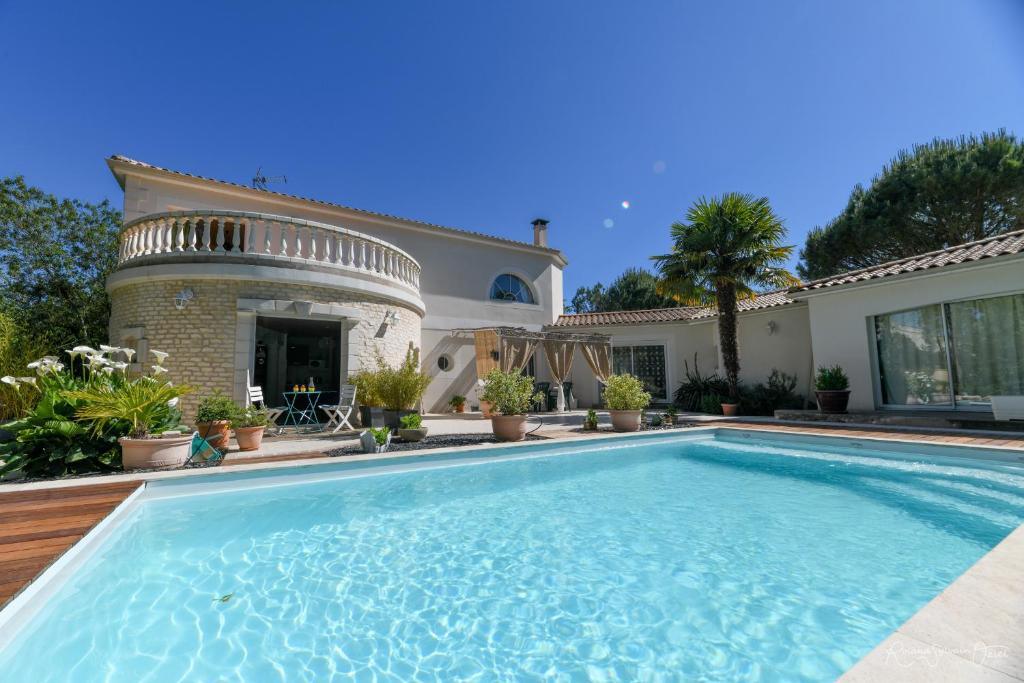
(444, 363)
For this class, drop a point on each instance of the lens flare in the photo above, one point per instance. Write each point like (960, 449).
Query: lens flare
(625, 204)
(609, 223)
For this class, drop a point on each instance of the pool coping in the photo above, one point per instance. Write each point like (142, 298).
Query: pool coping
(972, 630)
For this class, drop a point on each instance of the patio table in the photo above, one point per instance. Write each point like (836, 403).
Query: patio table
(299, 414)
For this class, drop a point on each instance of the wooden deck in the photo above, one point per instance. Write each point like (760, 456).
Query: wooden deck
(37, 527)
(952, 436)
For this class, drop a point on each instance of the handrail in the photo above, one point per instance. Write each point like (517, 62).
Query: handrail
(234, 234)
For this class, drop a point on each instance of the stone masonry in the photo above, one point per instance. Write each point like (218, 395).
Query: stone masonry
(201, 339)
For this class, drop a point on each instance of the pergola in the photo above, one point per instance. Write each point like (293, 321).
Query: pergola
(509, 349)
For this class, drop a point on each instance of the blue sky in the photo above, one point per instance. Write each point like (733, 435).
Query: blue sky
(487, 114)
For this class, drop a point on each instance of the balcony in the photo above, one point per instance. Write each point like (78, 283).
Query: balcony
(222, 239)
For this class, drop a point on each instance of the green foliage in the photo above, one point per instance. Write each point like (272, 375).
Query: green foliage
(831, 379)
(636, 289)
(411, 421)
(17, 350)
(625, 392)
(398, 388)
(765, 398)
(712, 405)
(509, 393)
(728, 249)
(216, 407)
(656, 421)
(671, 413)
(693, 390)
(936, 195)
(250, 416)
(456, 401)
(63, 434)
(590, 422)
(144, 404)
(55, 255)
(380, 434)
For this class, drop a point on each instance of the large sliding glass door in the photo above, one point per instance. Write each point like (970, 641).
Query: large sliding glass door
(647, 363)
(955, 354)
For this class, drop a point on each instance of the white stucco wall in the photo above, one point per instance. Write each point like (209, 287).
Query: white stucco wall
(840, 317)
(788, 349)
(457, 270)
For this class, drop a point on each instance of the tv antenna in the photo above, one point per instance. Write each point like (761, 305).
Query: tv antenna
(260, 181)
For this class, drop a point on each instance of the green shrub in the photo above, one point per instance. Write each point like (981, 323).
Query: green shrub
(831, 379)
(509, 393)
(250, 416)
(411, 421)
(216, 407)
(625, 392)
(380, 434)
(398, 388)
(710, 404)
(765, 398)
(17, 350)
(80, 414)
(456, 401)
(590, 422)
(690, 395)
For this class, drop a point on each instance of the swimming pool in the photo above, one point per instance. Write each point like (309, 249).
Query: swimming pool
(694, 557)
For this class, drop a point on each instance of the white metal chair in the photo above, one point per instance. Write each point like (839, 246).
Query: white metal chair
(338, 415)
(256, 399)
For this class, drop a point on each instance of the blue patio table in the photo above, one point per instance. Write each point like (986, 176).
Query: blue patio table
(299, 413)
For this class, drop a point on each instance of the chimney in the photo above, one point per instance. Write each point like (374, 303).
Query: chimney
(540, 233)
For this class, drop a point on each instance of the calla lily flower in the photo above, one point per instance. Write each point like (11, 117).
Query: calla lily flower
(26, 380)
(7, 379)
(129, 353)
(87, 350)
(109, 349)
(159, 369)
(160, 356)
(119, 365)
(107, 370)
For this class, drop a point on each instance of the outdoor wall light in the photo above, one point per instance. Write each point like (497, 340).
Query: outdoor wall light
(772, 327)
(182, 298)
(391, 318)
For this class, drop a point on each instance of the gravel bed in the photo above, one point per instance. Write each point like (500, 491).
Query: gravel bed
(444, 441)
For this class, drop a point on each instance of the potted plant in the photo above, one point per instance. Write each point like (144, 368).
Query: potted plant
(832, 389)
(249, 424)
(625, 398)
(669, 418)
(412, 428)
(386, 393)
(457, 403)
(730, 408)
(147, 406)
(510, 394)
(213, 418)
(590, 421)
(375, 439)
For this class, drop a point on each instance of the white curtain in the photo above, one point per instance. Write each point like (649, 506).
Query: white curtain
(515, 353)
(559, 354)
(599, 357)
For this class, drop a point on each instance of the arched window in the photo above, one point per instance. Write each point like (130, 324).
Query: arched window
(508, 287)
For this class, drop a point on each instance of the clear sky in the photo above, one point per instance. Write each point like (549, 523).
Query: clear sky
(487, 114)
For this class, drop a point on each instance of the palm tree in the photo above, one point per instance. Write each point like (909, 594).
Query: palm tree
(727, 250)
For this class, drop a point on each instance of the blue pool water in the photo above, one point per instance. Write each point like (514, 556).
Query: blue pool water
(694, 560)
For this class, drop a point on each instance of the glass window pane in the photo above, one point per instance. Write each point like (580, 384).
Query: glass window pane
(987, 338)
(649, 366)
(912, 357)
(622, 360)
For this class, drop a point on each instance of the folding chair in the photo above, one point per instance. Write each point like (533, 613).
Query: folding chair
(202, 451)
(338, 415)
(256, 399)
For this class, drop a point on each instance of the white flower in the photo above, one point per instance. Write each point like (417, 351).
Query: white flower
(57, 367)
(109, 349)
(107, 370)
(159, 369)
(119, 365)
(36, 364)
(7, 379)
(129, 353)
(87, 350)
(173, 403)
(27, 380)
(160, 356)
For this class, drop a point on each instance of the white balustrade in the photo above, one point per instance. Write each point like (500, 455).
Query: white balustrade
(231, 235)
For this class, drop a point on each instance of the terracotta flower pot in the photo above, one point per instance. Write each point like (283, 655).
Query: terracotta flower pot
(216, 433)
(485, 408)
(509, 427)
(729, 409)
(833, 401)
(165, 452)
(625, 420)
(249, 438)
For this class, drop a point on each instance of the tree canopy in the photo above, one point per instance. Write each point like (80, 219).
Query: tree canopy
(55, 255)
(636, 289)
(728, 249)
(936, 195)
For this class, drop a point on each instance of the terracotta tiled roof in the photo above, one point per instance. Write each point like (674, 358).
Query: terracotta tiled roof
(1000, 245)
(141, 164)
(667, 315)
